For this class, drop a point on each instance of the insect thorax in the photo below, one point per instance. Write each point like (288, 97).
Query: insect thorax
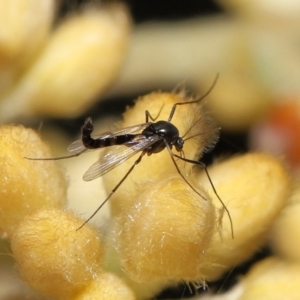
(168, 133)
(163, 129)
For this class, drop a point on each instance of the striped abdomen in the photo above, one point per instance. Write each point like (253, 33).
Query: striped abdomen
(91, 143)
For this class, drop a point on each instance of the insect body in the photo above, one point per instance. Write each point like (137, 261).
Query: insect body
(153, 138)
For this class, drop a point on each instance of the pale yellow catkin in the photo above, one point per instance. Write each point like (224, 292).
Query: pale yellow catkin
(254, 187)
(52, 256)
(107, 286)
(79, 61)
(270, 279)
(248, 97)
(285, 233)
(26, 185)
(85, 53)
(32, 16)
(164, 235)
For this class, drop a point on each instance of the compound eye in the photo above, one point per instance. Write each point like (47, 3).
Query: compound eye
(179, 144)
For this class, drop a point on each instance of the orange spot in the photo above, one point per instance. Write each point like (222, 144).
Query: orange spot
(286, 116)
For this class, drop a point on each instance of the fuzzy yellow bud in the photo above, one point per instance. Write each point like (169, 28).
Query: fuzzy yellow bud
(26, 185)
(52, 256)
(285, 234)
(272, 279)
(254, 188)
(107, 286)
(166, 232)
(79, 61)
(236, 104)
(19, 20)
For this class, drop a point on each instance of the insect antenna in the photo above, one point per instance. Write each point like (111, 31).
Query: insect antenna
(198, 134)
(191, 127)
(202, 165)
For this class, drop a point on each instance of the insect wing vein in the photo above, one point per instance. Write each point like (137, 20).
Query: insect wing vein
(130, 129)
(117, 156)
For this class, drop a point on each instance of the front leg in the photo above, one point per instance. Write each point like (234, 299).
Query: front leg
(148, 115)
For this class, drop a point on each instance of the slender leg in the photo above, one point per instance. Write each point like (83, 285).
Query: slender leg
(57, 158)
(202, 165)
(148, 115)
(114, 189)
(194, 101)
(179, 172)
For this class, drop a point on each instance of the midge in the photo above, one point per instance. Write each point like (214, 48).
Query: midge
(154, 137)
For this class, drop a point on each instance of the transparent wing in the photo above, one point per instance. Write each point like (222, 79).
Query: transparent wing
(117, 156)
(78, 146)
(130, 129)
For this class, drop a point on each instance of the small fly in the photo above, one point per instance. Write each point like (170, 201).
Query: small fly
(154, 138)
